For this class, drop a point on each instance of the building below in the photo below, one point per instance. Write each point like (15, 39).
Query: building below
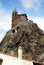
(11, 60)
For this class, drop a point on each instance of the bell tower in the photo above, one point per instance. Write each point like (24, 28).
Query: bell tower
(14, 16)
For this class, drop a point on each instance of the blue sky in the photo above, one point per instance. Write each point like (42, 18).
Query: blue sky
(30, 7)
(33, 8)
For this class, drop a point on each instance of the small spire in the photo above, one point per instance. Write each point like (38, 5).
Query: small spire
(14, 10)
(14, 14)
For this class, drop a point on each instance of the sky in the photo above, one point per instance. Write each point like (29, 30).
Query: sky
(33, 8)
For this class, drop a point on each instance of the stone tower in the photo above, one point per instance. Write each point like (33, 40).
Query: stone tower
(16, 18)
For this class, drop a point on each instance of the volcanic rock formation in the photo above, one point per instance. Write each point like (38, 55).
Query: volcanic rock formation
(24, 33)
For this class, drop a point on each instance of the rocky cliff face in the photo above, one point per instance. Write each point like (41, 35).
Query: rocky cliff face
(26, 34)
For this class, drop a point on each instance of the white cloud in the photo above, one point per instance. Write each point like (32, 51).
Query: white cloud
(5, 20)
(39, 21)
(35, 4)
(27, 3)
(1, 37)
